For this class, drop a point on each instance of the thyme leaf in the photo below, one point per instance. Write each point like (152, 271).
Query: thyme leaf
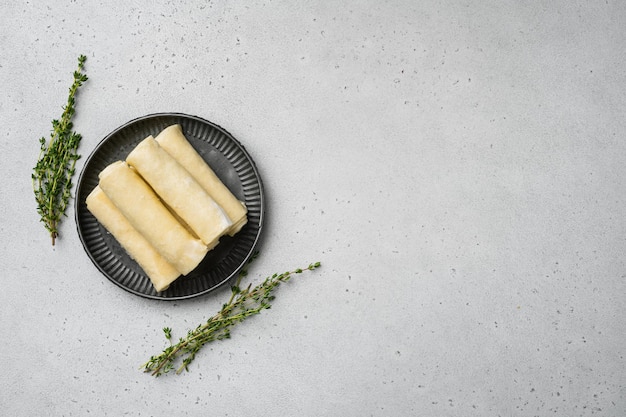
(52, 175)
(242, 304)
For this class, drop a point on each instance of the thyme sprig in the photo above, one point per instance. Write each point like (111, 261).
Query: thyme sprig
(242, 304)
(52, 175)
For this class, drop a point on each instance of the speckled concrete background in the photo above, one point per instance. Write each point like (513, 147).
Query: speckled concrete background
(457, 167)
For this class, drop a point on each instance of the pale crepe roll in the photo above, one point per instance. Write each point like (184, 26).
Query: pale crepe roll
(177, 188)
(141, 206)
(160, 272)
(176, 144)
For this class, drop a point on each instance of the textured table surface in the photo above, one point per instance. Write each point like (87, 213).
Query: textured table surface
(456, 167)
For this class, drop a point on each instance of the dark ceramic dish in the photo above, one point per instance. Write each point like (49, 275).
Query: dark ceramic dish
(230, 161)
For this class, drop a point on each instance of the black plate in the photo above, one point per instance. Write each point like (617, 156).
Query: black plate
(231, 163)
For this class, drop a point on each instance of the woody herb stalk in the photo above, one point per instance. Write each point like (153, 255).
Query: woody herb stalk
(242, 304)
(52, 175)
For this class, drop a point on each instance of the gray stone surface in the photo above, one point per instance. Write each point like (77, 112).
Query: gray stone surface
(457, 167)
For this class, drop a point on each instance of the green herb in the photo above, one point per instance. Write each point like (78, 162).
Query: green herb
(241, 305)
(52, 175)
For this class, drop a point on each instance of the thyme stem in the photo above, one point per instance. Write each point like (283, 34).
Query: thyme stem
(56, 164)
(241, 305)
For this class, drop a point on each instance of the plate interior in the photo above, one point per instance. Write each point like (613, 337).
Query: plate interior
(232, 164)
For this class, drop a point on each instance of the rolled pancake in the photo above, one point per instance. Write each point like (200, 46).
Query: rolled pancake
(160, 272)
(176, 144)
(141, 206)
(179, 191)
